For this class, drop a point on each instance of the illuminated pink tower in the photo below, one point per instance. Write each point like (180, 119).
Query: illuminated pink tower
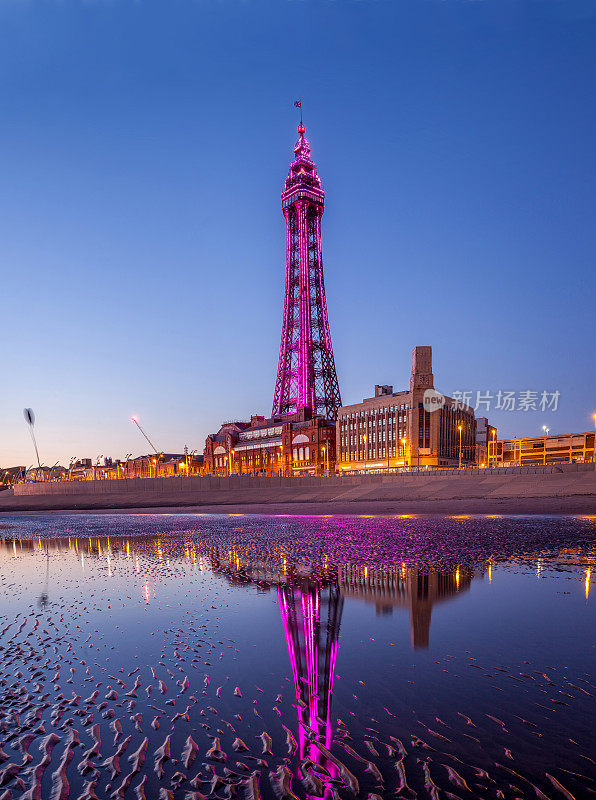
(306, 377)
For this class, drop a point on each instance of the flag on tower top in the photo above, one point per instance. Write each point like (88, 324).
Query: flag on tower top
(298, 103)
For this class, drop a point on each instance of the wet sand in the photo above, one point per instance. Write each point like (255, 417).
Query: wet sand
(247, 659)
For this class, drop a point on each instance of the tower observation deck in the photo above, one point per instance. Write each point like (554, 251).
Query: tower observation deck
(306, 376)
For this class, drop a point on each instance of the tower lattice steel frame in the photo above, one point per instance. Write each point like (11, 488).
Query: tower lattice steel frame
(306, 376)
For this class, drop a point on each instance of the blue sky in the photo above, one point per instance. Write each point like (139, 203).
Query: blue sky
(143, 148)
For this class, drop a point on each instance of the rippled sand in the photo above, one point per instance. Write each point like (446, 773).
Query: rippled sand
(208, 657)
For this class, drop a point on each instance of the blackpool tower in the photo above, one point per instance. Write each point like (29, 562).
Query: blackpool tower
(306, 377)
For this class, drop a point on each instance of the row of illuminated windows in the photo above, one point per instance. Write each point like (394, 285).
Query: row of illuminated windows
(374, 412)
(372, 421)
(359, 451)
(392, 435)
(259, 433)
(354, 455)
(302, 453)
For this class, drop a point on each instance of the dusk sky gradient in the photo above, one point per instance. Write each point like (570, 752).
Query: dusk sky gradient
(143, 149)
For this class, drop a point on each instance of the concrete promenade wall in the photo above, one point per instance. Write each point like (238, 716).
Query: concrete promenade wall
(568, 488)
(431, 479)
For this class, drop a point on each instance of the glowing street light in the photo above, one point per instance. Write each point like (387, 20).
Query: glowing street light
(459, 429)
(546, 430)
(326, 458)
(404, 443)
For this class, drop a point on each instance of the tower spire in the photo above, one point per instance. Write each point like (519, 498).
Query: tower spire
(306, 376)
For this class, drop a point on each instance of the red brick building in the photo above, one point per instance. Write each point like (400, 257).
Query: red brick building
(288, 444)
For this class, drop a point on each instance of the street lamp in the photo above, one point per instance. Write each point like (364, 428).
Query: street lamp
(546, 430)
(326, 458)
(404, 443)
(459, 429)
(364, 437)
(494, 450)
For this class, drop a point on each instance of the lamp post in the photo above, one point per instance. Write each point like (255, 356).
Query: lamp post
(459, 429)
(494, 450)
(365, 454)
(387, 443)
(325, 449)
(546, 430)
(404, 442)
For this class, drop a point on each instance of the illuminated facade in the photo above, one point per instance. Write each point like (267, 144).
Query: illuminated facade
(397, 430)
(556, 449)
(486, 443)
(306, 377)
(289, 444)
(162, 465)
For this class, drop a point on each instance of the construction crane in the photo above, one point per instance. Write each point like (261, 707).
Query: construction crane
(136, 422)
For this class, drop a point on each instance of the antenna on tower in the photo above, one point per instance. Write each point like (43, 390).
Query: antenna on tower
(136, 422)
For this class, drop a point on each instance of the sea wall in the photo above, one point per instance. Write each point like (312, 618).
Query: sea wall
(432, 479)
(397, 492)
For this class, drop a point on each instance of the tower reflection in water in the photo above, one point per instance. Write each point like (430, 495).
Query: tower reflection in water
(311, 617)
(311, 602)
